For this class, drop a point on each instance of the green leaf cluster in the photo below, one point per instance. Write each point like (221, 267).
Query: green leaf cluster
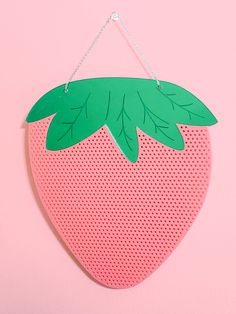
(123, 105)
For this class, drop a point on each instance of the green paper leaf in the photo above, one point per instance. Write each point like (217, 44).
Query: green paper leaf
(188, 108)
(122, 127)
(81, 116)
(47, 105)
(122, 105)
(151, 123)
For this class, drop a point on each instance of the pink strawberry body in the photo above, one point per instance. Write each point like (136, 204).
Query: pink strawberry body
(119, 219)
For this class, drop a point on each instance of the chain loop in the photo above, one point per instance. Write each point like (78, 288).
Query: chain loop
(114, 17)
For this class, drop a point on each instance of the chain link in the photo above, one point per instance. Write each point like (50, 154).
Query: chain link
(114, 17)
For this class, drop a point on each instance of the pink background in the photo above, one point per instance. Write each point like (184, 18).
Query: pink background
(191, 43)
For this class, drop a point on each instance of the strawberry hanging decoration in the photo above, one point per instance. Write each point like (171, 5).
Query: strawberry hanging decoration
(121, 166)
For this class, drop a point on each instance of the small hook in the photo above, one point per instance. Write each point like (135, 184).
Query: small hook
(115, 16)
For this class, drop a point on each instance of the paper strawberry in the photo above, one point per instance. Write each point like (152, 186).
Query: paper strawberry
(122, 168)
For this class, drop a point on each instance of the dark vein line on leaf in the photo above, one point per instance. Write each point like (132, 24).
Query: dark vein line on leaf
(72, 123)
(108, 105)
(122, 115)
(150, 113)
(174, 103)
(147, 110)
(187, 105)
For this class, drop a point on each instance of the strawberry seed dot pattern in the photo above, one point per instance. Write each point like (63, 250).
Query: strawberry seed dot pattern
(121, 220)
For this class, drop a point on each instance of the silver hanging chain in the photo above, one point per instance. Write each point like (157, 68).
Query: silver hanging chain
(138, 51)
(86, 53)
(114, 17)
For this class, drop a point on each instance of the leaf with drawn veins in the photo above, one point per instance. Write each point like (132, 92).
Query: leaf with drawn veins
(123, 105)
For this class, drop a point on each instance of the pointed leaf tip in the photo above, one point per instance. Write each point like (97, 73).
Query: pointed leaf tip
(186, 108)
(47, 105)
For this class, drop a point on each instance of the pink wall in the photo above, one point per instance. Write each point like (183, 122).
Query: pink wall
(191, 43)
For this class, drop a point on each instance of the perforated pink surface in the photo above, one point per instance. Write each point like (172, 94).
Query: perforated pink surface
(121, 220)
